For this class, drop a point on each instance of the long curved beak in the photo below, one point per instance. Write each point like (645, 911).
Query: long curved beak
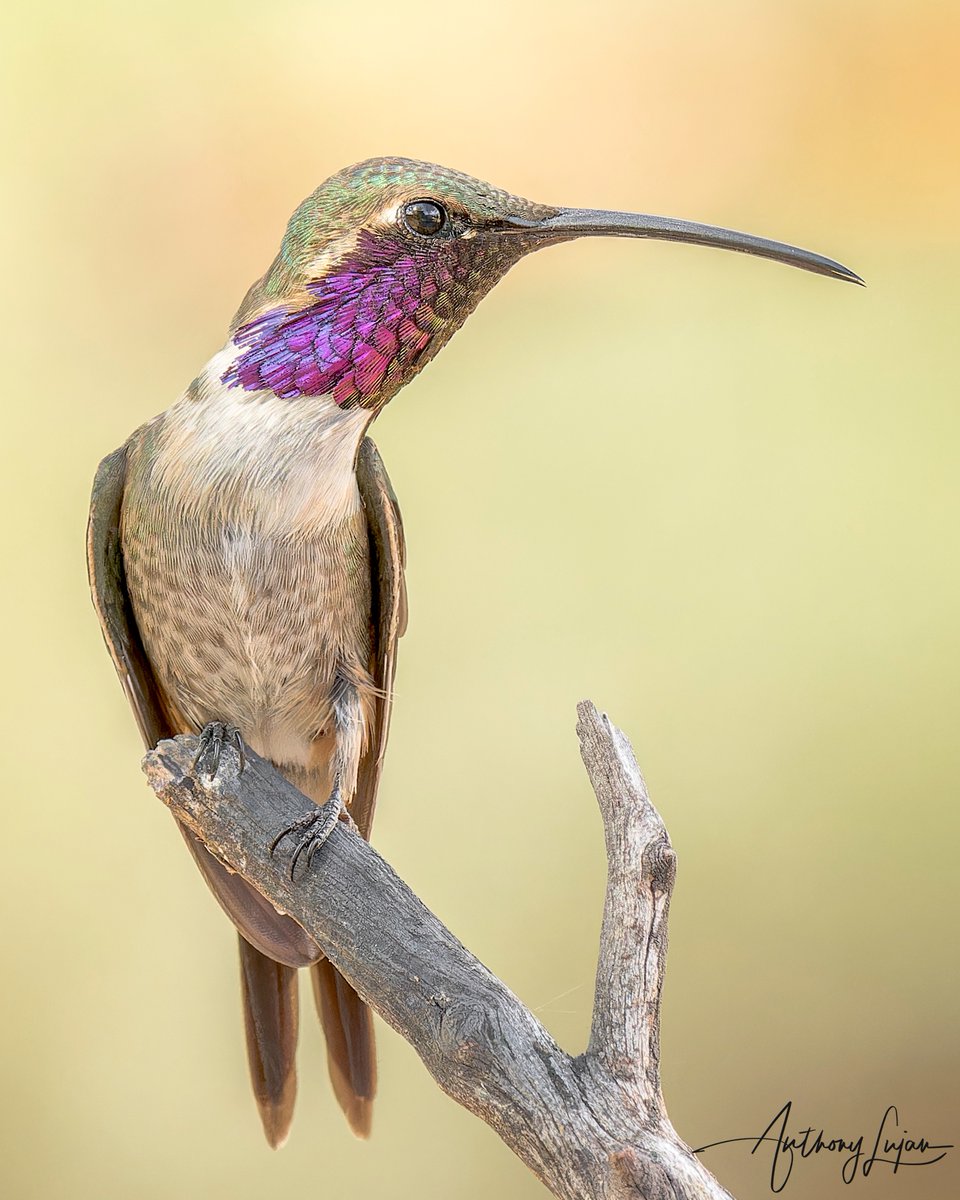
(588, 222)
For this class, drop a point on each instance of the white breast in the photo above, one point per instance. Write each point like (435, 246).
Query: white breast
(288, 463)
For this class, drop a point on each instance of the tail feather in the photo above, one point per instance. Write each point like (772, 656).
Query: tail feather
(277, 936)
(351, 1052)
(271, 1020)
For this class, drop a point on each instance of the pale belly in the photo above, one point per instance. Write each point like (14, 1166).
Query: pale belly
(253, 632)
(247, 615)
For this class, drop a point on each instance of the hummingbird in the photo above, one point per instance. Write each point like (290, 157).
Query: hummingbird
(246, 551)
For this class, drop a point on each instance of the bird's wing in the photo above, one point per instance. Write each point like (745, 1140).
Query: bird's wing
(273, 933)
(109, 588)
(389, 617)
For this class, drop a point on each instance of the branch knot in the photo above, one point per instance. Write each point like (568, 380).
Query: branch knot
(660, 865)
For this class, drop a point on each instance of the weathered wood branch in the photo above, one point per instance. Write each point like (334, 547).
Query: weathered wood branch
(589, 1126)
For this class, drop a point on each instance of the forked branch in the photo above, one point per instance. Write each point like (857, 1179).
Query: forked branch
(589, 1126)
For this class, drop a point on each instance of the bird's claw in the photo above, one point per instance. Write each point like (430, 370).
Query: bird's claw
(213, 738)
(311, 831)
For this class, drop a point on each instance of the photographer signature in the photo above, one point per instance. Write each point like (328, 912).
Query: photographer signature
(891, 1147)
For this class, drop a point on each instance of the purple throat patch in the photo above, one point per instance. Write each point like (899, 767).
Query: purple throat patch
(366, 318)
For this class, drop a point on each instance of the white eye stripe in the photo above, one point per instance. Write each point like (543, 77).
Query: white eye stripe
(331, 254)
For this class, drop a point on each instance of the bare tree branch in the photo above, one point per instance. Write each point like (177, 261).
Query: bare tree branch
(589, 1126)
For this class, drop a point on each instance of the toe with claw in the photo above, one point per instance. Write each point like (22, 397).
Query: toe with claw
(312, 831)
(213, 738)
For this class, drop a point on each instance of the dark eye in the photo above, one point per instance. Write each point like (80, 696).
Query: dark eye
(424, 217)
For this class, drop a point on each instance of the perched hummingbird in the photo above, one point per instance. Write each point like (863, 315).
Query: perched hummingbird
(245, 547)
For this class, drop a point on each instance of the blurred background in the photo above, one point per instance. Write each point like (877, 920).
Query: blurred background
(714, 495)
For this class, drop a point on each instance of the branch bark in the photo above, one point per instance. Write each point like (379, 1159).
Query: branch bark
(589, 1126)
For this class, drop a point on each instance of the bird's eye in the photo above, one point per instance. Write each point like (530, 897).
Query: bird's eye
(424, 217)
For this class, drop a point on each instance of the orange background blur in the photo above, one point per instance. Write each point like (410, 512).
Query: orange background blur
(717, 496)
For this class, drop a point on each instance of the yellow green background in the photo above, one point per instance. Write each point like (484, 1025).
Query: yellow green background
(717, 496)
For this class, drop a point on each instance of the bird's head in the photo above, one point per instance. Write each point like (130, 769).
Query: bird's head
(386, 259)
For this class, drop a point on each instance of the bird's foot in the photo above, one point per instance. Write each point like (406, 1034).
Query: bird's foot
(213, 738)
(311, 831)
